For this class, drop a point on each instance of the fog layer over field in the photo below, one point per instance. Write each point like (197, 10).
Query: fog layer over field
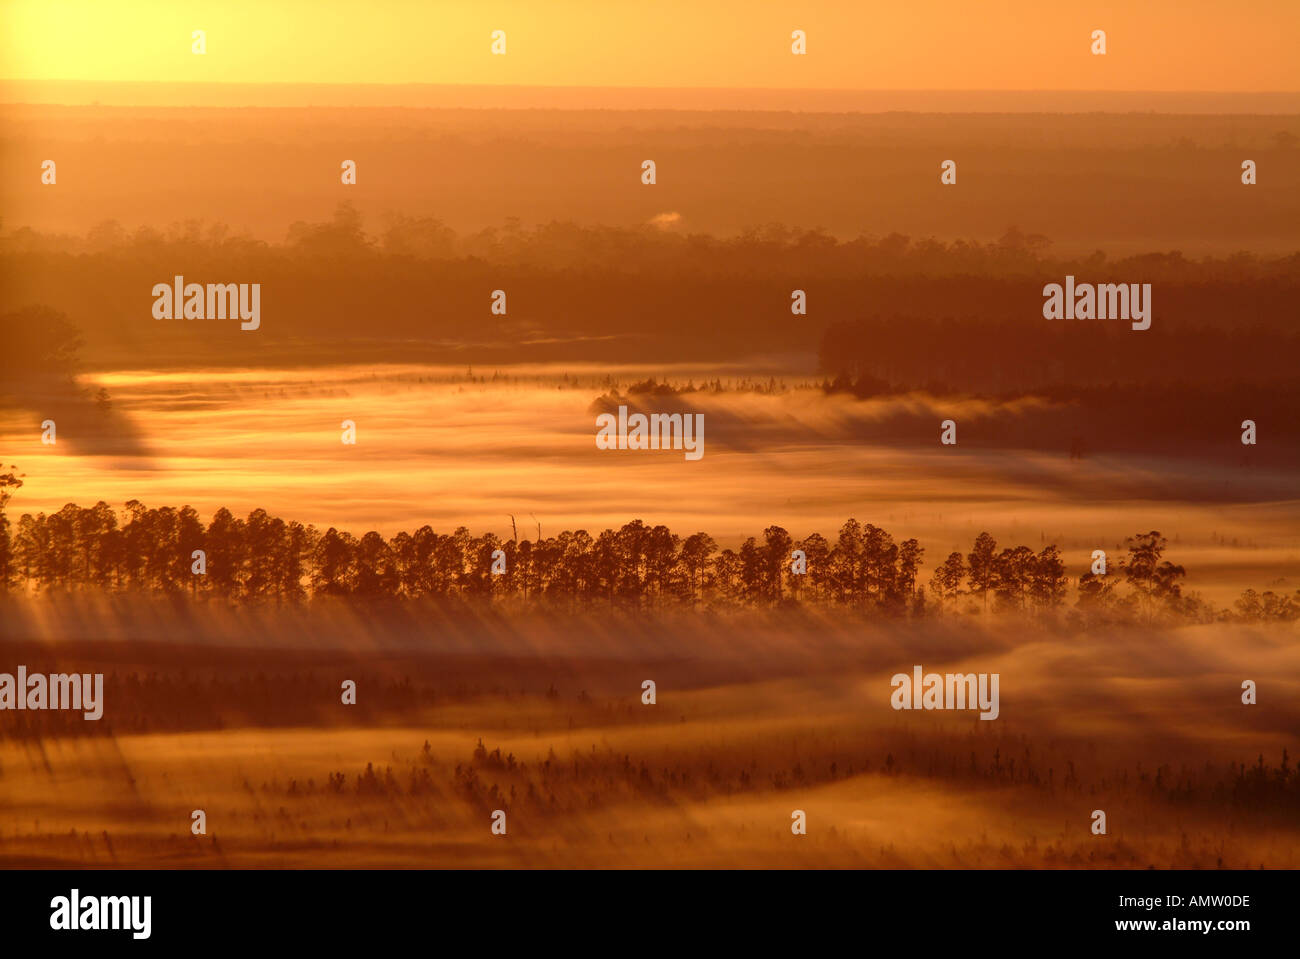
(756, 715)
(442, 447)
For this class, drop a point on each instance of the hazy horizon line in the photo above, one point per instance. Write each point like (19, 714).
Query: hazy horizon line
(182, 94)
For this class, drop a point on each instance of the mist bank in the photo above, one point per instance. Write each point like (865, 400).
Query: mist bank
(175, 665)
(442, 447)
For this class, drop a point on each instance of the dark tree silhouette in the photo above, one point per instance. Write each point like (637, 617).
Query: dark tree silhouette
(8, 567)
(265, 559)
(982, 567)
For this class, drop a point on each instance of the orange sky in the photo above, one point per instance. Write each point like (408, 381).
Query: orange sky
(1176, 45)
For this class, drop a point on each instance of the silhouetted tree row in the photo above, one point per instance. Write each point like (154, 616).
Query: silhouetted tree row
(566, 245)
(265, 558)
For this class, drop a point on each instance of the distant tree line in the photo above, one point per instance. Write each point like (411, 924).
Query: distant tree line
(265, 558)
(680, 297)
(565, 245)
(954, 353)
